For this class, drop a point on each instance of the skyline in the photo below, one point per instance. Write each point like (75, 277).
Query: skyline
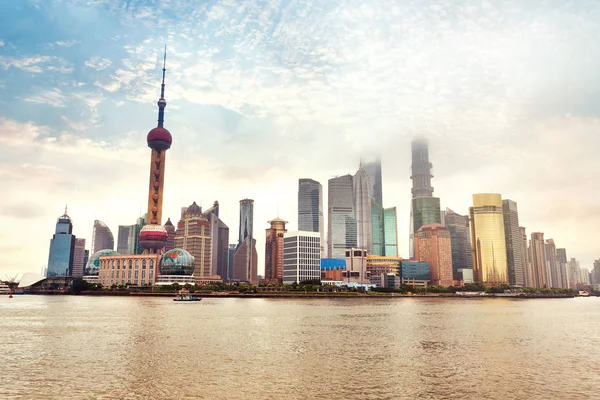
(69, 135)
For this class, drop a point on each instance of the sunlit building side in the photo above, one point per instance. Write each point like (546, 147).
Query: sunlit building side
(102, 237)
(433, 246)
(537, 255)
(274, 250)
(488, 245)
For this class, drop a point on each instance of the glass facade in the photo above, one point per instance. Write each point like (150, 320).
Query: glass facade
(458, 226)
(514, 250)
(390, 232)
(373, 171)
(426, 210)
(310, 208)
(176, 262)
(341, 223)
(62, 247)
(362, 209)
(378, 248)
(333, 263)
(246, 219)
(415, 270)
(487, 239)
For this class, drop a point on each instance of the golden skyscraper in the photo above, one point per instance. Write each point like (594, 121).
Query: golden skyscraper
(487, 239)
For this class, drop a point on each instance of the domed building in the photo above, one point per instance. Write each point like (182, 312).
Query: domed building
(93, 265)
(177, 262)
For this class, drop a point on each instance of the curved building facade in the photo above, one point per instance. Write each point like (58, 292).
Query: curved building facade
(102, 237)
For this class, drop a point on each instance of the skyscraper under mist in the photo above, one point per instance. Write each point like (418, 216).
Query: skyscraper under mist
(488, 244)
(362, 209)
(373, 171)
(341, 222)
(102, 237)
(425, 209)
(310, 209)
(458, 227)
(512, 235)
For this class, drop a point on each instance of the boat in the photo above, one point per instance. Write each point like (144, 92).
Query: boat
(4, 289)
(185, 296)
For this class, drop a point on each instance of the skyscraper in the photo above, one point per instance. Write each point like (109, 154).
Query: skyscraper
(422, 212)
(341, 222)
(102, 237)
(362, 209)
(310, 209)
(458, 227)
(245, 263)
(561, 259)
(537, 256)
(525, 259)
(301, 257)
(123, 235)
(596, 272)
(390, 225)
(78, 258)
(433, 246)
(171, 235)
(552, 265)
(246, 219)
(373, 170)
(514, 250)
(153, 236)
(220, 242)
(488, 244)
(274, 250)
(193, 235)
(378, 231)
(62, 246)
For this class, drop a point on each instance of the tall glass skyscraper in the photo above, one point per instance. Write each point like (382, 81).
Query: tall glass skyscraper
(487, 239)
(102, 237)
(341, 222)
(458, 226)
(246, 218)
(514, 251)
(78, 258)
(421, 212)
(390, 224)
(62, 247)
(378, 233)
(310, 209)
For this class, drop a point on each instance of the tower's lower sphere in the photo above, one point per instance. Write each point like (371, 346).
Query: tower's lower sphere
(177, 262)
(153, 237)
(159, 139)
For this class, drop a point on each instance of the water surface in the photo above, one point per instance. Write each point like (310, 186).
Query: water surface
(76, 347)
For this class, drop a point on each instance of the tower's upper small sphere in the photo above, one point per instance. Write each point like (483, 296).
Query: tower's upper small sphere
(159, 139)
(153, 237)
(162, 103)
(177, 262)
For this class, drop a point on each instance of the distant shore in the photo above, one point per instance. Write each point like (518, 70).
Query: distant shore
(313, 295)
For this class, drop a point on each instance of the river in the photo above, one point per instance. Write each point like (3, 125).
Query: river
(78, 347)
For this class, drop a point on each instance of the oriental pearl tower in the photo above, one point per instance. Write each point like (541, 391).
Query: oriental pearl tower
(153, 236)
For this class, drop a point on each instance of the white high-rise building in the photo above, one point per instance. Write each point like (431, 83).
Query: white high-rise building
(341, 221)
(301, 256)
(310, 209)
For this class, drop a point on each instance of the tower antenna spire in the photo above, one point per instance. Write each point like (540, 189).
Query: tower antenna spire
(162, 103)
(65, 209)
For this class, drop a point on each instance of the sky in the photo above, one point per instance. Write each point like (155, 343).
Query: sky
(262, 93)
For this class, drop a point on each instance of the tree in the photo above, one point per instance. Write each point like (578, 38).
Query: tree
(78, 285)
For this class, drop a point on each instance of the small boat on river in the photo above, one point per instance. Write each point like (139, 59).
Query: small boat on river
(186, 297)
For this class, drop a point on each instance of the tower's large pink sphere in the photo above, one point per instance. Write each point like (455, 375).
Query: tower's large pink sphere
(153, 237)
(159, 139)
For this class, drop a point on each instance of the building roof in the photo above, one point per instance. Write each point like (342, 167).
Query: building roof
(431, 227)
(194, 209)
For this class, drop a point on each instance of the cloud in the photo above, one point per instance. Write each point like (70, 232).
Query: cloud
(67, 43)
(98, 63)
(53, 97)
(37, 64)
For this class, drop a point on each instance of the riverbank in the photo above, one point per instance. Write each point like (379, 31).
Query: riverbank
(322, 295)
